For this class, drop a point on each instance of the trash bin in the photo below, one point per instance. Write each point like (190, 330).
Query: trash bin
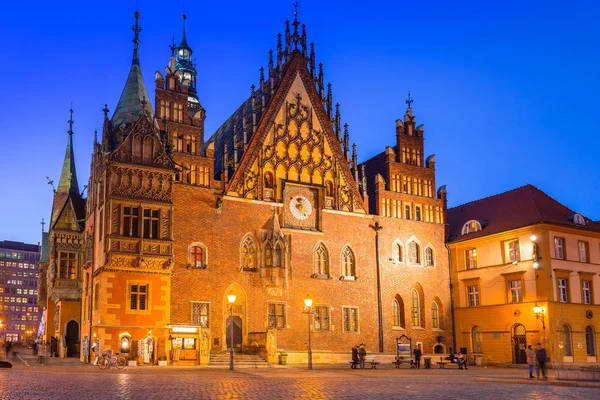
(479, 360)
(427, 361)
(282, 358)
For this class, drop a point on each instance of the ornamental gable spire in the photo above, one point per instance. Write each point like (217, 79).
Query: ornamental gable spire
(68, 175)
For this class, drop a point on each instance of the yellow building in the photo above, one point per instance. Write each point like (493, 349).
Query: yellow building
(524, 268)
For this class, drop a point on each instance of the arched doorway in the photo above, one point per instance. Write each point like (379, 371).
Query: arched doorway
(519, 343)
(236, 330)
(234, 317)
(72, 339)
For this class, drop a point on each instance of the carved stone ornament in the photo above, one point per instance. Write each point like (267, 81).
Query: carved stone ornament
(143, 184)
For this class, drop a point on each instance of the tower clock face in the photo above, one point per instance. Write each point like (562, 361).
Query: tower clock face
(300, 207)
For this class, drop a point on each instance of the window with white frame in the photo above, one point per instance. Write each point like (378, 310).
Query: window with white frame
(138, 296)
(322, 318)
(429, 257)
(473, 291)
(350, 319)
(276, 315)
(563, 294)
(197, 255)
(200, 313)
(584, 251)
(321, 260)
(414, 253)
(578, 219)
(586, 287)
(348, 262)
(516, 291)
(471, 258)
(512, 251)
(559, 248)
(471, 226)
(397, 252)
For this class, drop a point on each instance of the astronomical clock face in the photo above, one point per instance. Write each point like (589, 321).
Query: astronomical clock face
(300, 207)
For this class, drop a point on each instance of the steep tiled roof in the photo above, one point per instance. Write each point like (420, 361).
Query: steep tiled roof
(523, 206)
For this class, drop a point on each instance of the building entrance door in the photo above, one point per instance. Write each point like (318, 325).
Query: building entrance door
(72, 339)
(519, 343)
(237, 332)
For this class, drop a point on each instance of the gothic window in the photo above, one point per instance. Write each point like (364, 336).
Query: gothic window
(131, 217)
(177, 142)
(67, 265)
(418, 213)
(477, 340)
(329, 188)
(269, 180)
(321, 260)
(138, 296)
(429, 257)
(414, 256)
(415, 308)
(276, 315)
(277, 261)
(407, 212)
(200, 314)
(197, 255)
(435, 318)
(268, 255)
(248, 253)
(348, 262)
(398, 312)
(397, 252)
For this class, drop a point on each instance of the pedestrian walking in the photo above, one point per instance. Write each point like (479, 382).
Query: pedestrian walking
(362, 354)
(542, 358)
(530, 360)
(417, 352)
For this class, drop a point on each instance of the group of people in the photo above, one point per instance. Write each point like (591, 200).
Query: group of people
(538, 358)
(459, 359)
(359, 353)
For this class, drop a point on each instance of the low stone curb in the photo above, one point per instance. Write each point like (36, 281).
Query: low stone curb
(553, 382)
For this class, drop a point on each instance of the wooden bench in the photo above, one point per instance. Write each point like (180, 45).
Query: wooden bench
(442, 364)
(402, 360)
(371, 360)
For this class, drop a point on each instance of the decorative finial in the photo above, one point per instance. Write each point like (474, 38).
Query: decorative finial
(296, 5)
(137, 28)
(183, 39)
(409, 101)
(172, 46)
(105, 110)
(95, 136)
(143, 102)
(51, 183)
(70, 121)
(43, 223)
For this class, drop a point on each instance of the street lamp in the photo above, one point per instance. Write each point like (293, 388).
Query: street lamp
(539, 314)
(231, 299)
(308, 310)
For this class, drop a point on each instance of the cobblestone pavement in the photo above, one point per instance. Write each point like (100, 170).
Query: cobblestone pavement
(80, 381)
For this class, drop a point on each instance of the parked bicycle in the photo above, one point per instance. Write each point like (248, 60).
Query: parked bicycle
(108, 360)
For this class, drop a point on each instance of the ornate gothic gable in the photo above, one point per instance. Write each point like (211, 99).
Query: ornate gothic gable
(295, 142)
(142, 146)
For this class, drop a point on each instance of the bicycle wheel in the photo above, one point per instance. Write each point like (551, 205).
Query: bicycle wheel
(103, 363)
(121, 362)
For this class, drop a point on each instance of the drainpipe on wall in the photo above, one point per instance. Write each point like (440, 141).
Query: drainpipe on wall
(451, 297)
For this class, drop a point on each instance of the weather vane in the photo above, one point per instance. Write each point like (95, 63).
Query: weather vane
(409, 101)
(296, 5)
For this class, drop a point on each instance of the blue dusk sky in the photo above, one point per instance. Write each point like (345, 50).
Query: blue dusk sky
(507, 90)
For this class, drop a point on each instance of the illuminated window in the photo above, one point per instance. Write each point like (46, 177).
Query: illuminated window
(471, 258)
(277, 315)
(348, 262)
(586, 288)
(473, 292)
(516, 291)
(415, 308)
(68, 265)
(563, 287)
(471, 226)
(131, 216)
(138, 297)
(268, 255)
(322, 318)
(197, 255)
(435, 319)
(578, 219)
(418, 213)
(512, 251)
(414, 256)
(584, 251)
(248, 253)
(559, 248)
(200, 314)
(321, 260)
(125, 345)
(429, 259)
(350, 319)
(477, 340)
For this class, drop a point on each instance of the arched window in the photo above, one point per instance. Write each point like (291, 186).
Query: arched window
(397, 252)
(590, 341)
(125, 344)
(414, 253)
(328, 188)
(248, 253)
(578, 219)
(268, 255)
(277, 262)
(321, 260)
(429, 257)
(348, 262)
(477, 340)
(414, 308)
(471, 226)
(567, 341)
(435, 318)
(197, 255)
(398, 312)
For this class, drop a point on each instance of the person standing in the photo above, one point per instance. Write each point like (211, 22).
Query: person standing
(417, 352)
(541, 356)
(362, 354)
(355, 359)
(530, 360)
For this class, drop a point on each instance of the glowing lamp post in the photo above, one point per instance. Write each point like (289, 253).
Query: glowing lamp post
(308, 310)
(231, 299)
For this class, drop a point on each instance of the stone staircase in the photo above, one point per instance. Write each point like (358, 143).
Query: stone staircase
(239, 360)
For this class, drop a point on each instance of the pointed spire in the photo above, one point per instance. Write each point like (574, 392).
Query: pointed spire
(279, 52)
(287, 37)
(364, 181)
(68, 175)
(346, 143)
(355, 163)
(129, 108)
(137, 28)
(338, 121)
(329, 102)
(321, 86)
(270, 63)
(183, 39)
(312, 60)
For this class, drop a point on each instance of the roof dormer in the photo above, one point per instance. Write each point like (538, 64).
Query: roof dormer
(470, 227)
